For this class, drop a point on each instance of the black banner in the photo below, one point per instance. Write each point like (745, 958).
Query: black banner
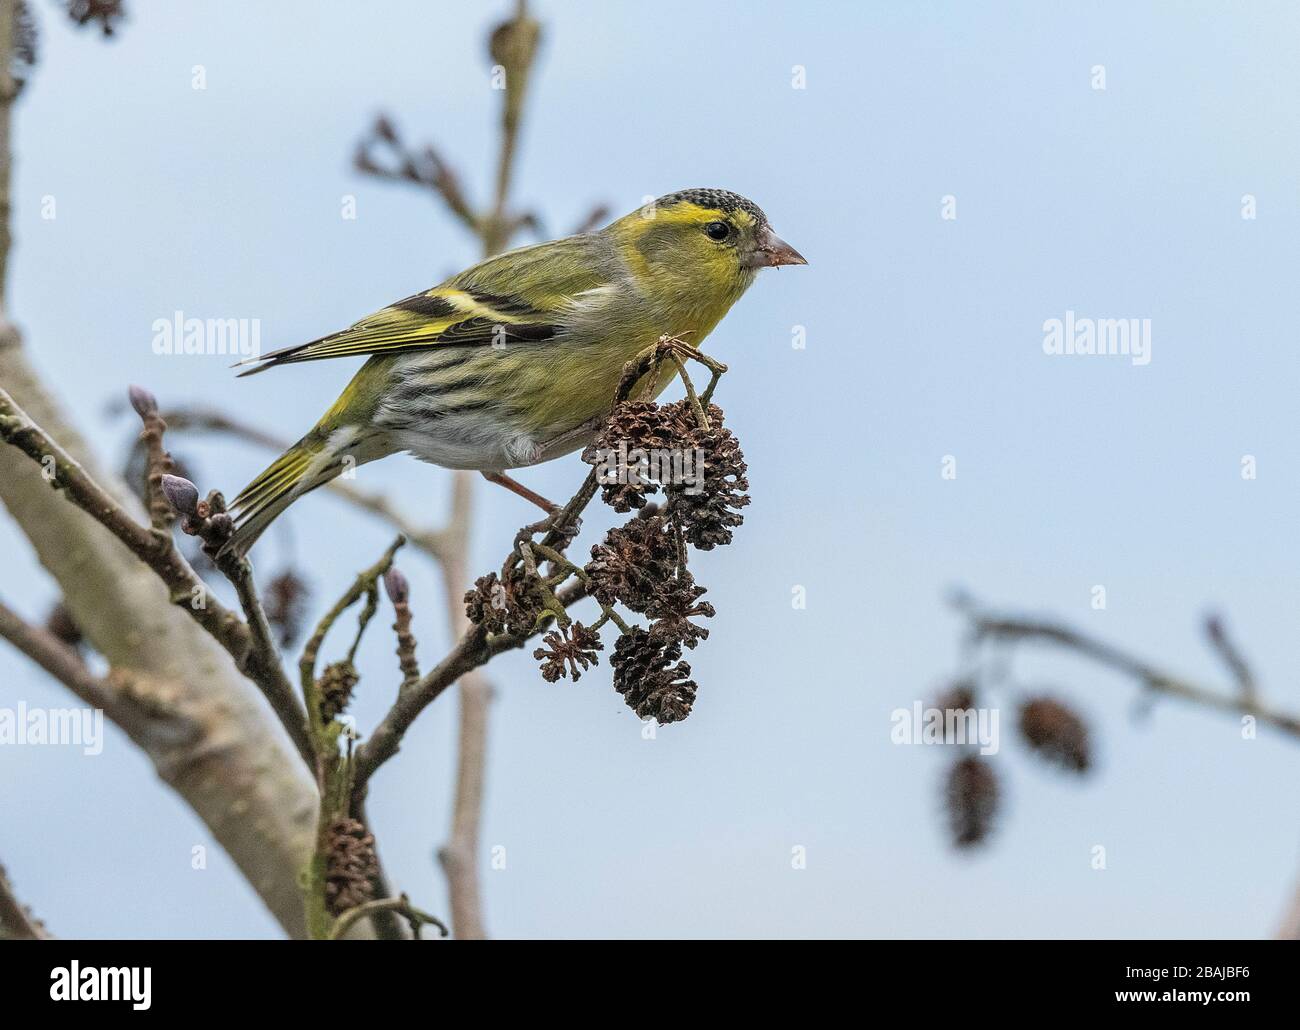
(140, 979)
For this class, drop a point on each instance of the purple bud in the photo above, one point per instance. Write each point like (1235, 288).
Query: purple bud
(396, 586)
(143, 401)
(181, 494)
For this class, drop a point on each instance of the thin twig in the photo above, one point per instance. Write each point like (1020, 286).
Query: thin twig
(158, 551)
(402, 905)
(474, 649)
(262, 663)
(333, 774)
(1232, 657)
(158, 462)
(425, 169)
(364, 584)
(592, 220)
(985, 625)
(1244, 700)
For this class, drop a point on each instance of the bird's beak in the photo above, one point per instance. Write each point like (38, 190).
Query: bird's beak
(772, 252)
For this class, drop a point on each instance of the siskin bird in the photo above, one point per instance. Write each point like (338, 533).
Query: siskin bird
(515, 360)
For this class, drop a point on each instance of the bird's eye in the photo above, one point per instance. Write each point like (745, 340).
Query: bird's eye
(718, 231)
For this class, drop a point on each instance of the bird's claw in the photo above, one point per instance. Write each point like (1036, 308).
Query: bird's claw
(565, 529)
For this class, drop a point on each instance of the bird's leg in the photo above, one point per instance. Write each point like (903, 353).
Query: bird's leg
(553, 511)
(515, 487)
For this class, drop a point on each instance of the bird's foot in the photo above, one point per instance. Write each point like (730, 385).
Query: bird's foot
(565, 529)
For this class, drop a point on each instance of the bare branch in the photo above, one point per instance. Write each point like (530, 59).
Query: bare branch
(158, 462)
(185, 705)
(986, 625)
(1243, 700)
(365, 583)
(159, 552)
(592, 220)
(56, 658)
(425, 169)
(474, 649)
(399, 594)
(402, 905)
(513, 45)
(16, 921)
(1232, 656)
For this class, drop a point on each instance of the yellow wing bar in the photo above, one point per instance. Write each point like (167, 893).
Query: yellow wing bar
(438, 317)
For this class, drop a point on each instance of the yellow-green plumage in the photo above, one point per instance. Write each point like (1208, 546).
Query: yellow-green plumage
(515, 360)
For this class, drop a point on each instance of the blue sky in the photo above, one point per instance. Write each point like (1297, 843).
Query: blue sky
(924, 339)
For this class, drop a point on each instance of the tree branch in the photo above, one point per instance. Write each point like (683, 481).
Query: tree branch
(191, 712)
(513, 45)
(16, 922)
(986, 625)
(402, 905)
(157, 549)
(57, 659)
(474, 649)
(1244, 700)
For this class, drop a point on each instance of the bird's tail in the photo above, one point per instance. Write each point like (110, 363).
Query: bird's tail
(313, 461)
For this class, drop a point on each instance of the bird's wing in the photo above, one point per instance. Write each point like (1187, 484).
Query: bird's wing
(521, 296)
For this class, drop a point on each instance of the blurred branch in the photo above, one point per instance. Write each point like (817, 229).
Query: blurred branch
(57, 659)
(104, 13)
(1289, 930)
(593, 220)
(16, 921)
(458, 854)
(1244, 700)
(986, 625)
(383, 153)
(1232, 657)
(8, 92)
(425, 169)
(513, 45)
